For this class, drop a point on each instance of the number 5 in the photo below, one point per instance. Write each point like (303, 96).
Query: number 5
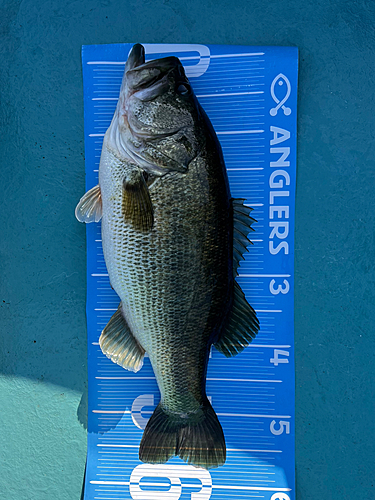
(283, 426)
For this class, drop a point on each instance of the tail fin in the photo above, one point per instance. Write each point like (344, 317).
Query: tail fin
(196, 438)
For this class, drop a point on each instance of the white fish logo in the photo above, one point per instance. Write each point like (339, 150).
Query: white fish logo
(280, 80)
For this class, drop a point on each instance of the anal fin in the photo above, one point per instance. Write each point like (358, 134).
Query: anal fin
(241, 326)
(119, 344)
(89, 208)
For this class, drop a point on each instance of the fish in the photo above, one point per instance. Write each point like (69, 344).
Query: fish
(173, 238)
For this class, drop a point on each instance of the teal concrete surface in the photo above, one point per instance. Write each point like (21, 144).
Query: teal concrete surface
(42, 247)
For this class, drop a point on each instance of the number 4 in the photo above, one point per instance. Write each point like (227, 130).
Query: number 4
(276, 360)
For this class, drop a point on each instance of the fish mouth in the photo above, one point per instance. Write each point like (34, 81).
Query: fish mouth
(146, 81)
(136, 57)
(150, 79)
(164, 64)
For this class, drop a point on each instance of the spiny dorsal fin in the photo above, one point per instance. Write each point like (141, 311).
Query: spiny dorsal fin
(241, 327)
(118, 343)
(241, 227)
(136, 201)
(89, 208)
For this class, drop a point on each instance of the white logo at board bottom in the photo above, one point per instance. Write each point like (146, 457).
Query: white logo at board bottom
(173, 473)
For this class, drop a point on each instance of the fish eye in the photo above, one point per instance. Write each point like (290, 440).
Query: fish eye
(183, 89)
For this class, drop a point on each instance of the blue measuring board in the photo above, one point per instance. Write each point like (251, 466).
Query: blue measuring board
(250, 95)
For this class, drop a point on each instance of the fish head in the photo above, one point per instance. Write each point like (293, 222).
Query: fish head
(158, 114)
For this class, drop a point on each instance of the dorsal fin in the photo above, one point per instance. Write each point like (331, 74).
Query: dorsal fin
(241, 227)
(242, 323)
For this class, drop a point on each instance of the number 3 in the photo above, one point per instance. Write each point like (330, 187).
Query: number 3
(279, 289)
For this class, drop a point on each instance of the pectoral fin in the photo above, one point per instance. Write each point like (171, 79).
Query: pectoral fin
(89, 208)
(241, 327)
(136, 201)
(119, 344)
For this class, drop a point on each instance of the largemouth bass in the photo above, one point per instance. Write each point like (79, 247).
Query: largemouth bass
(172, 240)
